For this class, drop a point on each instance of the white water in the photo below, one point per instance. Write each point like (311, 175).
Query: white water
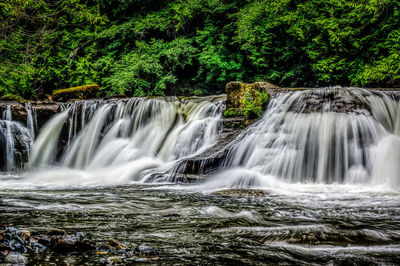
(333, 139)
(301, 140)
(12, 132)
(110, 143)
(9, 140)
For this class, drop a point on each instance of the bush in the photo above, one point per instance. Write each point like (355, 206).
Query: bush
(254, 103)
(232, 113)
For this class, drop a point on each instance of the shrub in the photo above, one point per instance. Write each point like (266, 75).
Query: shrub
(254, 103)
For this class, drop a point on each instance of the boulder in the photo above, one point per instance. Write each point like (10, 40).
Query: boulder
(235, 91)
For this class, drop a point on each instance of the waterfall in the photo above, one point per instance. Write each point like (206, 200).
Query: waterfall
(125, 139)
(319, 136)
(15, 141)
(31, 119)
(323, 136)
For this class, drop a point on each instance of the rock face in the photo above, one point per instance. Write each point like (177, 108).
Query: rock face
(235, 91)
(333, 100)
(41, 110)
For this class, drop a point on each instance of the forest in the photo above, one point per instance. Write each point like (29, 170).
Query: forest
(194, 47)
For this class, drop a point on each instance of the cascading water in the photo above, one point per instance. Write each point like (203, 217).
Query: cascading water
(324, 136)
(320, 157)
(112, 142)
(15, 141)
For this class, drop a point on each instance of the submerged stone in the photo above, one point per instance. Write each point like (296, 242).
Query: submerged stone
(146, 250)
(113, 244)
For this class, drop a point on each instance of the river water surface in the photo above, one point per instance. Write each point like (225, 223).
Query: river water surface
(315, 225)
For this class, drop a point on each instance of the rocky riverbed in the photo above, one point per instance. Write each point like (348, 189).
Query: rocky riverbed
(22, 246)
(174, 224)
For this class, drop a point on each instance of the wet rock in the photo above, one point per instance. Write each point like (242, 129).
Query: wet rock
(337, 100)
(138, 259)
(15, 258)
(4, 247)
(114, 260)
(102, 261)
(38, 247)
(24, 234)
(56, 232)
(35, 233)
(68, 243)
(146, 250)
(44, 241)
(240, 193)
(113, 244)
(44, 110)
(234, 91)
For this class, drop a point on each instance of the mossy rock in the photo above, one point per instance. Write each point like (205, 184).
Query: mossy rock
(235, 92)
(11, 97)
(82, 93)
(248, 99)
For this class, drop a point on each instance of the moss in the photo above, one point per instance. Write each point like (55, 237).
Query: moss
(79, 89)
(10, 97)
(80, 92)
(251, 104)
(254, 103)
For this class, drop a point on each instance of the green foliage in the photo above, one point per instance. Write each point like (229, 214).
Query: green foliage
(254, 102)
(232, 113)
(170, 47)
